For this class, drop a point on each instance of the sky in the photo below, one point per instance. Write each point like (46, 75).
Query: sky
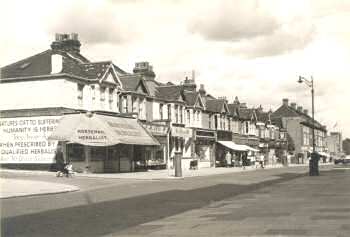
(255, 50)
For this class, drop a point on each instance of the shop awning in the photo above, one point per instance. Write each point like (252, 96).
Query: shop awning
(101, 130)
(323, 154)
(249, 148)
(233, 146)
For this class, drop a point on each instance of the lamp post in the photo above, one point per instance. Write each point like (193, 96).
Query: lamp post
(313, 165)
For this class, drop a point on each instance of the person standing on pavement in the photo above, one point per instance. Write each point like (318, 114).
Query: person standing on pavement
(228, 159)
(261, 161)
(59, 159)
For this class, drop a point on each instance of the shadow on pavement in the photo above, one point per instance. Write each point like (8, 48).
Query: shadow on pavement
(97, 219)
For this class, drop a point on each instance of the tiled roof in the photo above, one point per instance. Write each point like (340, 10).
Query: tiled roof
(39, 64)
(170, 93)
(288, 111)
(131, 81)
(263, 116)
(233, 109)
(215, 105)
(245, 113)
(152, 86)
(190, 97)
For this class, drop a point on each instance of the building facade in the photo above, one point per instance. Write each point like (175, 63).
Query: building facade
(299, 125)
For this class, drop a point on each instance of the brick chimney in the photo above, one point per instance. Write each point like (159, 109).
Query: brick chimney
(189, 84)
(285, 101)
(300, 109)
(144, 69)
(293, 105)
(306, 111)
(202, 90)
(66, 42)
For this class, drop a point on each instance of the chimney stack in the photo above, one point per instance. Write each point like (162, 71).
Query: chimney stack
(202, 90)
(306, 111)
(293, 105)
(285, 101)
(66, 42)
(189, 84)
(145, 70)
(300, 109)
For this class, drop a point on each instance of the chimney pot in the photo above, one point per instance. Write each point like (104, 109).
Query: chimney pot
(285, 101)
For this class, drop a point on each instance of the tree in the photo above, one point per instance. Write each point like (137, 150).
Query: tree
(346, 146)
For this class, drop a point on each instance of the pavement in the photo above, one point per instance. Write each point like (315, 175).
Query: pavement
(11, 188)
(272, 202)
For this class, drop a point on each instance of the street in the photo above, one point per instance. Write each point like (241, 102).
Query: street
(276, 202)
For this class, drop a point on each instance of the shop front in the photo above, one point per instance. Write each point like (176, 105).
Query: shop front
(154, 157)
(99, 143)
(180, 141)
(204, 142)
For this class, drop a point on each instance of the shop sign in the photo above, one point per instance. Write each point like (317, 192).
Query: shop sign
(181, 132)
(205, 133)
(156, 129)
(24, 139)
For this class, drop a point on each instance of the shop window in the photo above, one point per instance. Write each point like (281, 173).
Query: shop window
(75, 152)
(98, 153)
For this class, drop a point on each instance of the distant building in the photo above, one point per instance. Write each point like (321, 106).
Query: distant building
(299, 124)
(334, 144)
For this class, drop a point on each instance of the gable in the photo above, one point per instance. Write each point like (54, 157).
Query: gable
(141, 88)
(199, 102)
(110, 76)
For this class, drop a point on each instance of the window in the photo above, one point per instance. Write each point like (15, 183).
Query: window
(93, 92)
(134, 104)
(210, 120)
(188, 117)
(141, 108)
(125, 104)
(169, 111)
(102, 93)
(181, 115)
(161, 111)
(110, 99)
(176, 114)
(216, 121)
(246, 127)
(80, 94)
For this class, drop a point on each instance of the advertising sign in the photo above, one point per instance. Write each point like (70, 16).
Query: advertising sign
(24, 139)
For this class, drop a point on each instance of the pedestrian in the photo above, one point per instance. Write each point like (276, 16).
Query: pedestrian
(261, 161)
(244, 160)
(228, 159)
(59, 160)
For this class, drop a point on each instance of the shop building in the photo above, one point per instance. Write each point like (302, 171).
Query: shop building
(298, 125)
(43, 88)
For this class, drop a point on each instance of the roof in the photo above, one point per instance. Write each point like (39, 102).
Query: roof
(152, 86)
(190, 97)
(263, 116)
(233, 109)
(288, 111)
(215, 105)
(131, 82)
(40, 64)
(170, 93)
(246, 113)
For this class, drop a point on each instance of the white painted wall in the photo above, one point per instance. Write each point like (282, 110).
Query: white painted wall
(38, 94)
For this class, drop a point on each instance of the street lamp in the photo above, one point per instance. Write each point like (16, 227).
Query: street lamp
(313, 165)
